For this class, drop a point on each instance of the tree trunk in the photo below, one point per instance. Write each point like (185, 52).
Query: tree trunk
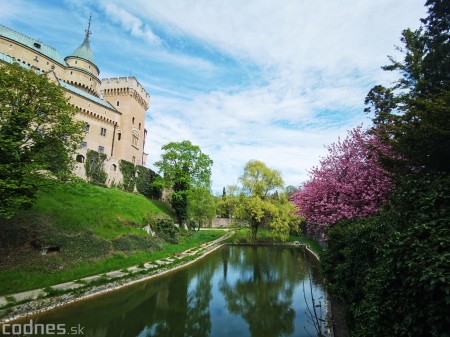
(254, 232)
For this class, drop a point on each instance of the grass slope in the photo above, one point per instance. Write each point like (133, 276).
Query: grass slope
(96, 229)
(107, 212)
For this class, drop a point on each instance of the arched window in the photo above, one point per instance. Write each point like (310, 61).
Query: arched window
(114, 167)
(80, 158)
(132, 120)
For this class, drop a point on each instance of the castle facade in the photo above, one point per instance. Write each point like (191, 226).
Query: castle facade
(113, 109)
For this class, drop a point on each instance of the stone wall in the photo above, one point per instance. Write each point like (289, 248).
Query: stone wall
(226, 222)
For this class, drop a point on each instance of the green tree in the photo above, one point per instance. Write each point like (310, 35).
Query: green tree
(38, 135)
(226, 205)
(184, 166)
(256, 204)
(202, 206)
(259, 180)
(399, 284)
(413, 115)
(290, 190)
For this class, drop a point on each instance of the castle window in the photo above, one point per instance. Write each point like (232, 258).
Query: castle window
(139, 126)
(119, 136)
(103, 132)
(83, 144)
(114, 167)
(86, 127)
(80, 158)
(37, 45)
(117, 104)
(132, 120)
(101, 149)
(135, 139)
(76, 61)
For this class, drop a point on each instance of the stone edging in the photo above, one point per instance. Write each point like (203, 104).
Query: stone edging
(37, 306)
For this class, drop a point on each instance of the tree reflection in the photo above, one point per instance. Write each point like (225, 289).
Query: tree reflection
(262, 293)
(198, 316)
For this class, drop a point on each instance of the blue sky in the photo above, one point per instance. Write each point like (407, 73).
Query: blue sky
(270, 80)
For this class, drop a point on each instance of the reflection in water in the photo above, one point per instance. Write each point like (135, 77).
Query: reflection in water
(235, 291)
(262, 294)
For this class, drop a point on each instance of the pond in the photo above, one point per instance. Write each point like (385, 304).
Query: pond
(235, 291)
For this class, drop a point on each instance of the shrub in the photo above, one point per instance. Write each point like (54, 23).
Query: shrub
(128, 171)
(148, 182)
(94, 167)
(166, 230)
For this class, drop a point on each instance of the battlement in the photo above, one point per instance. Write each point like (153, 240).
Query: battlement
(125, 85)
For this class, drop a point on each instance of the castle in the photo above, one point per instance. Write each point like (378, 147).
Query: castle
(113, 109)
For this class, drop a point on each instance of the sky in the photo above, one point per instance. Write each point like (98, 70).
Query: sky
(269, 80)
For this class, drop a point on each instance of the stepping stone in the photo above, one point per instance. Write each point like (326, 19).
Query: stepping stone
(67, 286)
(134, 269)
(115, 274)
(3, 301)
(170, 260)
(181, 256)
(91, 278)
(26, 295)
(159, 262)
(149, 266)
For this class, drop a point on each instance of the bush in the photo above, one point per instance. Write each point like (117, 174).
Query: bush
(94, 168)
(166, 230)
(392, 270)
(148, 182)
(128, 171)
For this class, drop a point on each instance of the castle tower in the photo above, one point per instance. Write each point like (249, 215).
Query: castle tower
(82, 71)
(128, 96)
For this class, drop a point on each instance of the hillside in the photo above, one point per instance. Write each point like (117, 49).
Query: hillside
(83, 230)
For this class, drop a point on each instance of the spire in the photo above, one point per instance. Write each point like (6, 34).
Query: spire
(88, 31)
(84, 50)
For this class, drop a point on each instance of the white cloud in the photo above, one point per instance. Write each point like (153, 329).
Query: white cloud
(257, 79)
(131, 23)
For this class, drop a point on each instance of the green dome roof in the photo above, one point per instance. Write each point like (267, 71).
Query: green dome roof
(84, 51)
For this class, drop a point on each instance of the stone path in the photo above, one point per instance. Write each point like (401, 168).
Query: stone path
(110, 276)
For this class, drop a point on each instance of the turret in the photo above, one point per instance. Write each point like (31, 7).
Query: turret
(82, 71)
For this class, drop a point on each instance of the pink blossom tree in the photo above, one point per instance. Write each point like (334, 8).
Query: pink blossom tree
(348, 183)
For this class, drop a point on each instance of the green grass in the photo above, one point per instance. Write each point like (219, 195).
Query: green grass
(109, 212)
(20, 279)
(96, 229)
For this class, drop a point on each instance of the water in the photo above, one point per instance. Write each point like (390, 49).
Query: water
(234, 291)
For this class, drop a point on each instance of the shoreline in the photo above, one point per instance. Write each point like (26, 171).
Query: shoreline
(40, 305)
